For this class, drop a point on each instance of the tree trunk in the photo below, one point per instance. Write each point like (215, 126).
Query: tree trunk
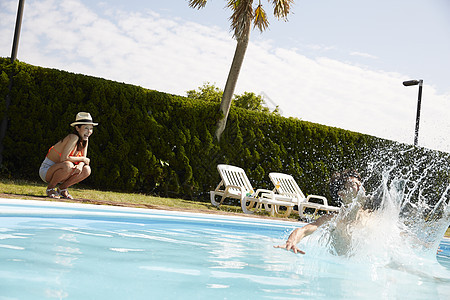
(233, 75)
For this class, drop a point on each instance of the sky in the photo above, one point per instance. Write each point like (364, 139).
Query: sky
(336, 63)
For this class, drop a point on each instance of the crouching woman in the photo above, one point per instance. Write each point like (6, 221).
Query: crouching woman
(66, 162)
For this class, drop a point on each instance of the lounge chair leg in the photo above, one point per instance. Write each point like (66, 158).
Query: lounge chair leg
(288, 211)
(276, 211)
(300, 211)
(267, 207)
(246, 208)
(273, 210)
(213, 199)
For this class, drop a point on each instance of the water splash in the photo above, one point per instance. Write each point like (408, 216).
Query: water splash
(415, 195)
(412, 195)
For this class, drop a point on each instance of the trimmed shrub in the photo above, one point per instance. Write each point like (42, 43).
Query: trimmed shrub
(153, 142)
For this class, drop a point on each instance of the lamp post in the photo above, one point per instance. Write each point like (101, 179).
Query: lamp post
(419, 100)
(15, 47)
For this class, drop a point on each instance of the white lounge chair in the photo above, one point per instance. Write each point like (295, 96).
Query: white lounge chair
(287, 186)
(235, 184)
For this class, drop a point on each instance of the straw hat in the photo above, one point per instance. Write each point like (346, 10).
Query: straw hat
(83, 118)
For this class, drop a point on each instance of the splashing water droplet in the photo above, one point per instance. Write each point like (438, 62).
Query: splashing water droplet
(402, 222)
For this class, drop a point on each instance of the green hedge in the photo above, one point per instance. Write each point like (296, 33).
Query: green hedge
(153, 142)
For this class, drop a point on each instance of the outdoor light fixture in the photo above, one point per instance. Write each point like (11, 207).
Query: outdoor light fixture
(419, 100)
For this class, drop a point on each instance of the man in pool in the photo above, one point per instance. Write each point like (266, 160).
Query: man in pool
(356, 207)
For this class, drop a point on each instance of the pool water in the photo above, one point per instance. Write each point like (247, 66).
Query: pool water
(54, 250)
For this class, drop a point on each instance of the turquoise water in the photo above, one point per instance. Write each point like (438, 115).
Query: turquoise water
(68, 251)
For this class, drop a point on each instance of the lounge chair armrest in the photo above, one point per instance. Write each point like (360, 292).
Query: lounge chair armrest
(243, 194)
(264, 191)
(325, 201)
(235, 187)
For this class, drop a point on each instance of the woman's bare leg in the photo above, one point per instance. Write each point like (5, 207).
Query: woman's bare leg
(57, 173)
(76, 178)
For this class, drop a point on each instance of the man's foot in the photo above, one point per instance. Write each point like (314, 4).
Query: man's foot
(65, 194)
(52, 193)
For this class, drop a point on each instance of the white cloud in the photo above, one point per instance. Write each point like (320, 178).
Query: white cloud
(173, 55)
(362, 54)
(320, 47)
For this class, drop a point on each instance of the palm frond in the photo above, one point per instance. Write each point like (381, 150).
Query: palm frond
(242, 17)
(197, 3)
(232, 4)
(260, 19)
(281, 8)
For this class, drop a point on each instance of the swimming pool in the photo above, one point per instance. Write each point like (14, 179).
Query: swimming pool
(56, 250)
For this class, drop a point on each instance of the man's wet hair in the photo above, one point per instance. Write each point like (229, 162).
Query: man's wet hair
(338, 181)
(337, 184)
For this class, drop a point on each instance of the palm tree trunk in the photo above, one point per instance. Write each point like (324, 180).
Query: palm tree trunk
(233, 75)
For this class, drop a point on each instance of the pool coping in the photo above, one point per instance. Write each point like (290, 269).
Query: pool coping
(84, 201)
(121, 209)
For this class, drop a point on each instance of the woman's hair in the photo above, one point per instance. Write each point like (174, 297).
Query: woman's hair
(81, 144)
(338, 181)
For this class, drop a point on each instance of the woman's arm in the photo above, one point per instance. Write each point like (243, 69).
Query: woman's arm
(70, 144)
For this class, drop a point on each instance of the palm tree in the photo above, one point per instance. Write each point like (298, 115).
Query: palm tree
(241, 19)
